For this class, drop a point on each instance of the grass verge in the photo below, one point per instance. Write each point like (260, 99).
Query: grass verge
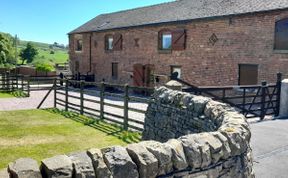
(44, 133)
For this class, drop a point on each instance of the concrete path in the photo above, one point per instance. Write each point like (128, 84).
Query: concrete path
(270, 148)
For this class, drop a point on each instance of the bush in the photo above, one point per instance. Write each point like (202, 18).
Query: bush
(52, 52)
(44, 67)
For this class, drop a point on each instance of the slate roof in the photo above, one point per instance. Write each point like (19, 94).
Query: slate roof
(180, 10)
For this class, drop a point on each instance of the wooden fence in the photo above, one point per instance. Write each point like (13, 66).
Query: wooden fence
(11, 83)
(251, 100)
(120, 104)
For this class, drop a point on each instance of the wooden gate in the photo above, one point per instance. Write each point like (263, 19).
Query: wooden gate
(251, 100)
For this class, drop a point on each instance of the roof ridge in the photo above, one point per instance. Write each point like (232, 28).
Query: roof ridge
(143, 7)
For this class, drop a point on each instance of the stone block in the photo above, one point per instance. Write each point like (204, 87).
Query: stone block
(146, 162)
(101, 169)
(24, 168)
(119, 162)
(57, 166)
(178, 155)
(163, 153)
(191, 150)
(83, 167)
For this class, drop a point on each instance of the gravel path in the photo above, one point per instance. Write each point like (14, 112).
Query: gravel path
(8, 104)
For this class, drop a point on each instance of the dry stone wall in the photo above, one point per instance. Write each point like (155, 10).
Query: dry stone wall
(185, 136)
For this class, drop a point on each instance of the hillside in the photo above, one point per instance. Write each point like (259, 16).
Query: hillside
(47, 52)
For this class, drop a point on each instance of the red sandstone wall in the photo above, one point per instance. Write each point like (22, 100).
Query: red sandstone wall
(242, 39)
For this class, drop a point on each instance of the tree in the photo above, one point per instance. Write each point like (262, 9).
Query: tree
(28, 54)
(7, 57)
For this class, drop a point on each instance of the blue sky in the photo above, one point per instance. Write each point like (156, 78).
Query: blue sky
(50, 20)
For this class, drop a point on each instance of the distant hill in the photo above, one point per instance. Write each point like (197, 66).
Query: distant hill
(52, 53)
(23, 43)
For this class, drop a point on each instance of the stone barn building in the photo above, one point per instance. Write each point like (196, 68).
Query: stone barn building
(208, 42)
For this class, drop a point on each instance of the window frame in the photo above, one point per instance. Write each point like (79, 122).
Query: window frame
(275, 37)
(160, 40)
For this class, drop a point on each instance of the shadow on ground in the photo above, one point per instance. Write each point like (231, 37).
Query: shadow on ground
(108, 128)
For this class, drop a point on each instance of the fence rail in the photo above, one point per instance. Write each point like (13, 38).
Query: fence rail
(114, 103)
(11, 83)
(251, 100)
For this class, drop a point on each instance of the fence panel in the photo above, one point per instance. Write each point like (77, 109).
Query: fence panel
(252, 101)
(119, 104)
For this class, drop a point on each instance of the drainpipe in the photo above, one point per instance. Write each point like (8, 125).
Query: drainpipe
(90, 54)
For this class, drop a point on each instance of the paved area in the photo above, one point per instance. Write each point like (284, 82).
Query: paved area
(270, 148)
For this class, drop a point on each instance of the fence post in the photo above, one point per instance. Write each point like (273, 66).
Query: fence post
(278, 85)
(28, 85)
(4, 81)
(102, 90)
(81, 97)
(66, 95)
(126, 106)
(22, 82)
(263, 100)
(7, 81)
(17, 87)
(55, 92)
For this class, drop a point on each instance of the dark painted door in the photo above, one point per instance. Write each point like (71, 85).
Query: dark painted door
(248, 74)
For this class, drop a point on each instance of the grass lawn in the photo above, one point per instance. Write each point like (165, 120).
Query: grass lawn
(6, 95)
(41, 134)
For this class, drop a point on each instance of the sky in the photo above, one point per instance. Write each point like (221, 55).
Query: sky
(49, 21)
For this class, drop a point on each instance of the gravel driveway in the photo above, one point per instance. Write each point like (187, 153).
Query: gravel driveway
(8, 104)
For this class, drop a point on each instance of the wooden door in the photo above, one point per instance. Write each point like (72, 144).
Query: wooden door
(138, 75)
(248, 74)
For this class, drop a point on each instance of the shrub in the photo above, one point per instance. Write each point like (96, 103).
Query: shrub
(44, 67)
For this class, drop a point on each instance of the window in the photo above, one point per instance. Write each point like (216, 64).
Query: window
(248, 74)
(166, 41)
(172, 40)
(176, 70)
(281, 35)
(109, 43)
(114, 70)
(113, 42)
(79, 45)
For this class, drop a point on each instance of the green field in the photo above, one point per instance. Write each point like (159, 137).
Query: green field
(59, 56)
(40, 134)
